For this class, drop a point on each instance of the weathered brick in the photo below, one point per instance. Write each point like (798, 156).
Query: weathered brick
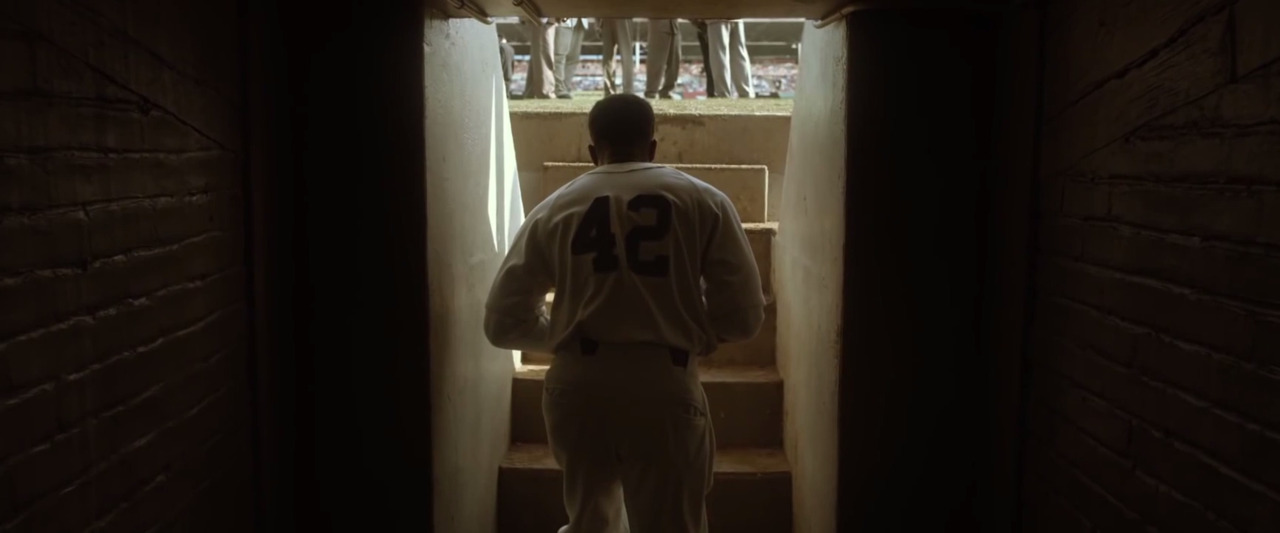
(1163, 308)
(58, 73)
(1257, 42)
(1266, 344)
(1212, 377)
(16, 55)
(1060, 237)
(46, 181)
(68, 510)
(123, 58)
(1198, 62)
(129, 471)
(1228, 136)
(46, 240)
(47, 468)
(160, 499)
(110, 152)
(1230, 440)
(1175, 513)
(1216, 213)
(1242, 505)
(1086, 200)
(1101, 333)
(47, 354)
(1044, 511)
(122, 226)
(1215, 269)
(138, 274)
(33, 414)
(1093, 502)
(44, 124)
(1116, 475)
(139, 418)
(36, 301)
(1097, 419)
(1062, 278)
(126, 377)
(1174, 311)
(140, 321)
(1090, 41)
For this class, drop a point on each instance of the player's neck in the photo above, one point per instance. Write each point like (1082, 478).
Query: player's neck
(623, 159)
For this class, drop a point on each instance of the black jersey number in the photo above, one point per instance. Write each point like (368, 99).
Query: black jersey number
(594, 235)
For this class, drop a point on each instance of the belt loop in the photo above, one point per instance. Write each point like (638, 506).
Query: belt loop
(680, 357)
(588, 347)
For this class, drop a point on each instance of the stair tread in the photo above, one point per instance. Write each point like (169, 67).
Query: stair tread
(760, 227)
(728, 461)
(714, 374)
(566, 164)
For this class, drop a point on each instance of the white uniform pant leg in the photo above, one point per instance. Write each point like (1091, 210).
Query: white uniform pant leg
(628, 424)
(667, 465)
(739, 60)
(657, 55)
(578, 434)
(718, 49)
(573, 58)
(560, 55)
(610, 43)
(626, 46)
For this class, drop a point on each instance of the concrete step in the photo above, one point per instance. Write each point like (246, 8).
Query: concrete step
(745, 405)
(751, 492)
(733, 139)
(746, 185)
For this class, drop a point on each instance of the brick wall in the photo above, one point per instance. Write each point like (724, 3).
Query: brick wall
(123, 398)
(1154, 400)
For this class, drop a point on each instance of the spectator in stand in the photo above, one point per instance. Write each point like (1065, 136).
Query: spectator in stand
(616, 35)
(662, 66)
(540, 80)
(701, 26)
(729, 59)
(568, 50)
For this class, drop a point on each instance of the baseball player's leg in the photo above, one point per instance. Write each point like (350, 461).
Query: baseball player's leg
(740, 61)
(573, 58)
(560, 54)
(539, 82)
(673, 62)
(592, 488)
(656, 56)
(718, 44)
(668, 454)
(626, 47)
(610, 43)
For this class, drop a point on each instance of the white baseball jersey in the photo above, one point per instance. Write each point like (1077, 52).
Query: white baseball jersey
(636, 253)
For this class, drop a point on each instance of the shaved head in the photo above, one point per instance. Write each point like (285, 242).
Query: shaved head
(621, 127)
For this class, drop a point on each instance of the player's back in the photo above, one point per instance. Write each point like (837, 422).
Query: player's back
(628, 244)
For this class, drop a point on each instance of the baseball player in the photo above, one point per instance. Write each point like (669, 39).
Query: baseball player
(650, 268)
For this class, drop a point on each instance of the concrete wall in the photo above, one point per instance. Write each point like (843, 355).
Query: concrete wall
(562, 137)
(473, 207)
(809, 273)
(123, 339)
(1155, 400)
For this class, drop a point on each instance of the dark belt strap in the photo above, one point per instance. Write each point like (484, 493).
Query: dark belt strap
(588, 347)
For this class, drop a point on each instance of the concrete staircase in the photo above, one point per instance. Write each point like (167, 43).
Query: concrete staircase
(751, 492)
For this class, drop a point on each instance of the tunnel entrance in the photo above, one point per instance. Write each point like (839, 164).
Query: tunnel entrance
(491, 159)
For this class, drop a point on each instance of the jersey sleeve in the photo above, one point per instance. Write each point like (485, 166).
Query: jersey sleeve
(515, 315)
(733, 292)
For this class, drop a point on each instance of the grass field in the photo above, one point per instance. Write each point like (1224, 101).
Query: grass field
(582, 102)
